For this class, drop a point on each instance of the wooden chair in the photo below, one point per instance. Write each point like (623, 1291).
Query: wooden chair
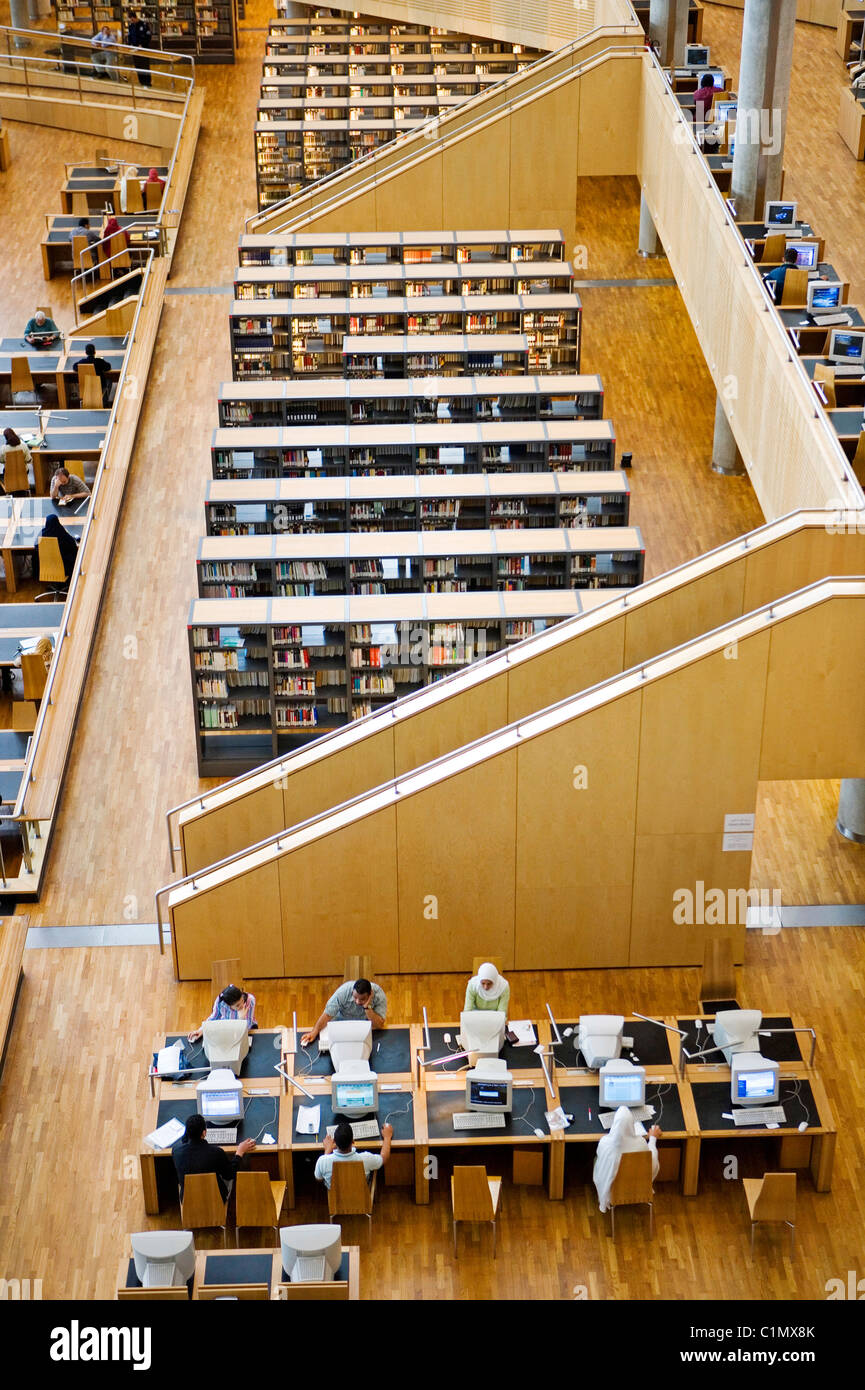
(478, 961)
(34, 674)
(255, 1293)
(51, 569)
(718, 979)
(632, 1185)
(474, 1197)
(826, 377)
(170, 1293)
(15, 477)
(80, 205)
(357, 968)
(24, 714)
(772, 1198)
(202, 1205)
(258, 1200)
(153, 196)
(119, 252)
(224, 973)
(46, 310)
(859, 457)
(795, 287)
(350, 1193)
(134, 201)
(75, 466)
(774, 247)
(89, 388)
(22, 384)
(81, 259)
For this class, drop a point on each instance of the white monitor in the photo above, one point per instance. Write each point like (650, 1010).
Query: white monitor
(226, 1042)
(779, 215)
(621, 1083)
(489, 1086)
(806, 253)
(351, 1041)
(311, 1254)
(696, 57)
(718, 81)
(755, 1080)
(220, 1098)
(824, 294)
(725, 110)
(354, 1090)
(599, 1038)
(163, 1258)
(847, 346)
(482, 1031)
(736, 1030)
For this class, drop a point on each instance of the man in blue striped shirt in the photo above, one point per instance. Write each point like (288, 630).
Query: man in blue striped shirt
(359, 1002)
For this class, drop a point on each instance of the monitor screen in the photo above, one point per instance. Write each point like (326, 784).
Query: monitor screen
(806, 253)
(354, 1095)
(718, 81)
(755, 1085)
(780, 214)
(847, 347)
(623, 1088)
(494, 1093)
(219, 1105)
(696, 56)
(725, 110)
(824, 294)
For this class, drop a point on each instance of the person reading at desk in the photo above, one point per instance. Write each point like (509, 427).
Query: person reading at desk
(41, 332)
(339, 1148)
(622, 1138)
(777, 277)
(361, 1001)
(230, 1004)
(13, 441)
(153, 177)
(52, 530)
(487, 990)
(65, 489)
(100, 367)
(193, 1154)
(113, 228)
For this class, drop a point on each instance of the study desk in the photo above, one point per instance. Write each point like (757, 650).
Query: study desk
(227, 1273)
(848, 424)
(267, 1047)
(391, 1055)
(23, 527)
(100, 186)
(791, 1051)
(809, 338)
(50, 368)
(56, 246)
(10, 785)
(30, 619)
(850, 24)
(721, 168)
(401, 1108)
(652, 1046)
(849, 390)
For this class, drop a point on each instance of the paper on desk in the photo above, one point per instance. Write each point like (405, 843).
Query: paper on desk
(308, 1119)
(165, 1135)
(556, 1119)
(168, 1059)
(526, 1035)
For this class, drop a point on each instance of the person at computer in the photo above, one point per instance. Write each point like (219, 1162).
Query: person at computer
(193, 1154)
(777, 276)
(360, 1002)
(487, 990)
(622, 1138)
(230, 1004)
(41, 331)
(704, 99)
(339, 1148)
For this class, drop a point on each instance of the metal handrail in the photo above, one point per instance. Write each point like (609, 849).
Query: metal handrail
(52, 37)
(146, 251)
(133, 89)
(591, 693)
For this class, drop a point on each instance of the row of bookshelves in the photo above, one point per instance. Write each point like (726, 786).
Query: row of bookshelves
(445, 280)
(400, 248)
(205, 29)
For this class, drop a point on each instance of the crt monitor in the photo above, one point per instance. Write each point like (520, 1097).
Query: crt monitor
(779, 215)
(220, 1098)
(348, 1041)
(735, 1030)
(226, 1042)
(847, 347)
(806, 254)
(482, 1031)
(824, 294)
(621, 1083)
(489, 1086)
(354, 1096)
(696, 56)
(599, 1038)
(311, 1254)
(163, 1258)
(717, 81)
(754, 1080)
(725, 110)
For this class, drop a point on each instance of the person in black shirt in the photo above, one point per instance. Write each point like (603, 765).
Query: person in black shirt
(99, 365)
(140, 36)
(193, 1154)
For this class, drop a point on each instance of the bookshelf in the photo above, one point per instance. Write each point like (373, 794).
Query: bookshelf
(271, 674)
(501, 446)
(415, 248)
(205, 29)
(442, 354)
(369, 282)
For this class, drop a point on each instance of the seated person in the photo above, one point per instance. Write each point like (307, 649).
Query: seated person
(704, 98)
(622, 1138)
(230, 1004)
(99, 365)
(777, 276)
(113, 228)
(68, 545)
(12, 441)
(65, 488)
(352, 1003)
(487, 990)
(83, 228)
(41, 332)
(193, 1154)
(153, 177)
(339, 1148)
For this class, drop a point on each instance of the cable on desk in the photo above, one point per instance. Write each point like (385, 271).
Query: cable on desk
(246, 1104)
(796, 1094)
(518, 1119)
(660, 1092)
(386, 1119)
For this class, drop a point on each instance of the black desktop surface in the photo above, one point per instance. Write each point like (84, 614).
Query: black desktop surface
(399, 1105)
(529, 1107)
(239, 1268)
(259, 1062)
(67, 220)
(712, 1102)
(261, 1113)
(133, 1281)
(847, 423)
(579, 1100)
(12, 743)
(65, 440)
(391, 1052)
(809, 363)
(10, 785)
(651, 1044)
(784, 1047)
(39, 360)
(800, 318)
(517, 1058)
(35, 615)
(8, 652)
(757, 231)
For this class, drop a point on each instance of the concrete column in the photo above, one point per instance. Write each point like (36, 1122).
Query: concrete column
(851, 810)
(768, 28)
(648, 243)
(668, 28)
(19, 19)
(725, 455)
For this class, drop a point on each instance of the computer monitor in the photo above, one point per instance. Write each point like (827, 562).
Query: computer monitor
(311, 1254)
(755, 1080)
(621, 1083)
(696, 56)
(482, 1031)
(351, 1041)
(220, 1098)
(847, 346)
(599, 1038)
(779, 215)
(735, 1030)
(226, 1042)
(725, 110)
(354, 1096)
(163, 1258)
(824, 294)
(489, 1086)
(718, 81)
(806, 253)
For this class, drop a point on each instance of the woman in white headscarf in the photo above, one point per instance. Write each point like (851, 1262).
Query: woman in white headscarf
(622, 1138)
(487, 990)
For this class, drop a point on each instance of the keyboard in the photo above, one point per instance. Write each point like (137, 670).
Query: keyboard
(361, 1129)
(478, 1119)
(788, 231)
(638, 1112)
(770, 1115)
(845, 369)
(159, 1274)
(824, 320)
(309, 1269)
(221, 1136)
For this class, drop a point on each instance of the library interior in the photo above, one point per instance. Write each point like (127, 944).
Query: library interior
(431, 650)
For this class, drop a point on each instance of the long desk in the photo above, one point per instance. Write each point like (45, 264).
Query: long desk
(56, 245)
(809, 338)
(248, 1274)
(21, 523)
(100, 186)
(54, 368)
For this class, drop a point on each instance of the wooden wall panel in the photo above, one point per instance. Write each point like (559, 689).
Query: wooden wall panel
(456, 845)
(543, 163)
(569, 667)
(241, 918)
(576, 809)
(475, 177)
(330, 781)
(802, 558)
(610, 118)
(684, 613)
(665, 864)
(339, 899)
(239, 823)
(476, 712)
(418, 189)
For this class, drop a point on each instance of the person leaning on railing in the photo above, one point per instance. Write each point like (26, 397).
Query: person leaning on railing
(103, 40)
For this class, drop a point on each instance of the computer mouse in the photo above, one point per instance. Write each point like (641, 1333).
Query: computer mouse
(447, 1037)
(567, 1032)
(803, 1126)
(540, 1133)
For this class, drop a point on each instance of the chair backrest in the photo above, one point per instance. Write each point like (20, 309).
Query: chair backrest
(202, 1203)
(826, 377)
(633, 1182)
(81, 259)
(134, 201)
(254, 1200)
(46, 310)
(350, 1193)
(24, 715)
(224, 973)
(35, 675)
(169, 1294)
(90, 388)
(478, 961)
(80, 205)
(471, 1193)
(254, 1293)
(777, 1198)
(795, 287)
(118, 319)
(21, 376)
(75, 466)
(51, 566)
(15, 475)
(859, 457)
(119, 251)
(153, 196)
(774, 247)
(719, 976)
